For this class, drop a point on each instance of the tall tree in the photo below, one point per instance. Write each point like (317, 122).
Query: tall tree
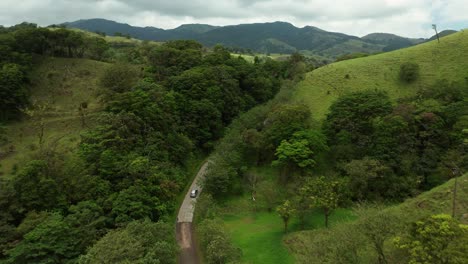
(301, 150)
(325, 194)
(285, 211)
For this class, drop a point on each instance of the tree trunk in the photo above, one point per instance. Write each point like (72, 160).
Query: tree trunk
(327, 213)
(381, 259)
(302, 217)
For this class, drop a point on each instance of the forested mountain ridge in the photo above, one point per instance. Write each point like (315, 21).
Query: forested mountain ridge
(276, 37)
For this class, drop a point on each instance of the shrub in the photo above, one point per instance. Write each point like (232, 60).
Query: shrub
(409, 72)
(119, 78)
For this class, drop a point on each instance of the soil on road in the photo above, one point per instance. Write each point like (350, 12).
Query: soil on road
(184, 228)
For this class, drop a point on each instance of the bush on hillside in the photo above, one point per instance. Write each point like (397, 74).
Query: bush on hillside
(119, 78)
(409, 72)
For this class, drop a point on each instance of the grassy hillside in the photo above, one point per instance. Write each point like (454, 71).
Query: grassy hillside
(437, 201)
(445, 60)
(61, 85)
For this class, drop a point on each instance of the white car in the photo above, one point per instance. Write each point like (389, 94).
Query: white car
(193, 193)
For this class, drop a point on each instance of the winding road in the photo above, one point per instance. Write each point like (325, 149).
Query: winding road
(184, 226)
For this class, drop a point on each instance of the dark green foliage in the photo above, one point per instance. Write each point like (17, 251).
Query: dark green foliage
(51, 241)
(36, 187)
(139, 242)
(119, 78)
(409, 72)
(371, 179)
(221, 180)
(131, 164)
(397, 43)
(137, 202)
(277, 37)
(350, 119)
(284, 121)
(97, 47)
(14, 95)
(216, 244)
(172, 58)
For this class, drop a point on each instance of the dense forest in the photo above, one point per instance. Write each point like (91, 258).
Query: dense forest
(112, 199)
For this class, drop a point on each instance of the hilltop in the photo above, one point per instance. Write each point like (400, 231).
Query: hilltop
(444, 60)
(276, 37)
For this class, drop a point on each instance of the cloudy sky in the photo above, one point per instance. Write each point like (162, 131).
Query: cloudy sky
(411, 18)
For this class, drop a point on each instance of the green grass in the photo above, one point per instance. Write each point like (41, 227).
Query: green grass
(62, 84)
(260, 237)
(444, 60)
(260, 234)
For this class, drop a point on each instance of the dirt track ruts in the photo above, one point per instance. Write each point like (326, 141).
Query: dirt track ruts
(184, 228)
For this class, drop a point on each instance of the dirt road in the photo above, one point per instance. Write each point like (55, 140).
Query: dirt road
(184, 228)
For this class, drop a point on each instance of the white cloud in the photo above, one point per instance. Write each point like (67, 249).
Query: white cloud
(411, 18)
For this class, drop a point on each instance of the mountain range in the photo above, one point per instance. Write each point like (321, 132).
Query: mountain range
(275, 37)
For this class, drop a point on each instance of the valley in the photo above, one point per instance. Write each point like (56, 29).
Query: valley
(254, 143)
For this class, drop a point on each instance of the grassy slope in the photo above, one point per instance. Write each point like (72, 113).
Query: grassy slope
(436, 201)
(62, 84)
(447, 59)
(251, 58)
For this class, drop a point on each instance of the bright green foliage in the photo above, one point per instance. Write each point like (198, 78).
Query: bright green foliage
(216, 244)
(436, 239)
(301, 149)
(409, 72)
(325, 194)
(139, 242)
(285, 211)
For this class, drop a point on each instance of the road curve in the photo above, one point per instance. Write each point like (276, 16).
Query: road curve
(184, 228)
